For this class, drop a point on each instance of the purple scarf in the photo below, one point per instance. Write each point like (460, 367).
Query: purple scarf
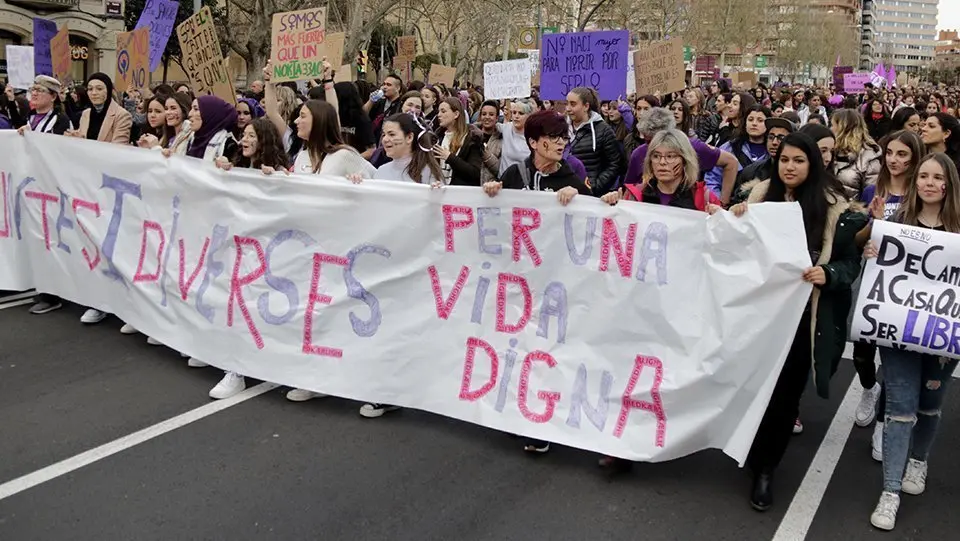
(216, 115)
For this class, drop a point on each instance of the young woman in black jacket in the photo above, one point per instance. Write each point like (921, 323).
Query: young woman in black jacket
(460, 146)
(594, 142)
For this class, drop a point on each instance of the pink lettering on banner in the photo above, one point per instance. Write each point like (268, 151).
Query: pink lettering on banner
(4, 206)
(450, 224)
(521, 233)
(185, 287)
(503, 280)
(319, 298)
(611, 239)
(44, 198)
(550, 397)
(472, 345)
(655, 407)
(140, 276)
(445, 307)
(237, 284)
(95, 207)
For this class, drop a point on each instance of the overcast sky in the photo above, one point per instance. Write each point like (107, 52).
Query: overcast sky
(949, 16)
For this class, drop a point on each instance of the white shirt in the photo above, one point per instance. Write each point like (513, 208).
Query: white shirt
(341, 163)
(444, 166)
(397, 170)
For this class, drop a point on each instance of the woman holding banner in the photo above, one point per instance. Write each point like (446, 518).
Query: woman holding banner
(916, 383)
(831, 223)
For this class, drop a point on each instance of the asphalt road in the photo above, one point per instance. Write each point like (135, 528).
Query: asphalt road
(266, 468)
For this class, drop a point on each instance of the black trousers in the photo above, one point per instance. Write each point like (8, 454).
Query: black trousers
(776, 428)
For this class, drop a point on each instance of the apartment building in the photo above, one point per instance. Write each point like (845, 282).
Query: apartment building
(905, 33)
(947, 50)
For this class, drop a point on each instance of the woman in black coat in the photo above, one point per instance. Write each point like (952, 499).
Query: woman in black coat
(460, 145)
(594, 142)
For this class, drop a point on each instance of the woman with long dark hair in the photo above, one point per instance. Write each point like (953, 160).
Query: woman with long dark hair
(877, 117)
(355, 125)
(906, 118)
(748, 145)
(460, 146)
(736, 113)
(941, 133)
(830, 224)
(260, 147)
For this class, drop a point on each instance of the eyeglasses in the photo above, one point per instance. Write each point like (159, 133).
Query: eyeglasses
(558, 139)
(668, 158)
(776, 137)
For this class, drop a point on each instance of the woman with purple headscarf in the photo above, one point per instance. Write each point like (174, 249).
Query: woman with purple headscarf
(247, 110)
(212, 121)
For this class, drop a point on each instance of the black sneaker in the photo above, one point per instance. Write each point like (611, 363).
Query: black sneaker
(44, 307)
(376, 410)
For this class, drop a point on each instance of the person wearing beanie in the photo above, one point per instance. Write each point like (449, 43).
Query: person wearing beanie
(106, 120)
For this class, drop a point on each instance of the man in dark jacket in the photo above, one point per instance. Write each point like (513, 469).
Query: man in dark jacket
(777, 129)
(594, 142)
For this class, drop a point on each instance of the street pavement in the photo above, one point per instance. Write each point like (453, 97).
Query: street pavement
(265, 468)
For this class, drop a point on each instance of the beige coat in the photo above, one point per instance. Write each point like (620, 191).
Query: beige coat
(116, 126)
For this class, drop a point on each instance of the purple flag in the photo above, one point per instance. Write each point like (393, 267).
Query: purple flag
(160, 16)
(892, 76)
(593, 59)
(43, 32)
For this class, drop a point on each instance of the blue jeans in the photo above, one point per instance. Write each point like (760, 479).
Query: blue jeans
(915, 385)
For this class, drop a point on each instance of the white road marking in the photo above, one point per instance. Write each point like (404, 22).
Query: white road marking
(16, 297)
(99, 453)
(16, 303)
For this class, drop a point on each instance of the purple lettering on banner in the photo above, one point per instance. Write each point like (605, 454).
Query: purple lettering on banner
(578, 257)
(166, 255)
(554, 304)
(510, 359)
(160, 16)
(654, 247)
(120, 187)
(17, 208)
(43, 31)
(480, 295)
(593, 59)
(483, 232)
(63, 222)
(283, 285)
(356, 290)
(214, 270)
(580, 402)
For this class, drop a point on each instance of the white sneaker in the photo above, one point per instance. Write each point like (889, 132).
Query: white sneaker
(128, 329)
(867, 409)
(92, 315)
(194, 362)
(231, 384)
(885, 515)
(876, 445)
(302, 395)
(153, 341)
(915, 478)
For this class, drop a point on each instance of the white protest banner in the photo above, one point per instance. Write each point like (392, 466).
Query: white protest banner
(910, 293)
(631, 73)
(507, 79)
(20, 66)
(629, 330)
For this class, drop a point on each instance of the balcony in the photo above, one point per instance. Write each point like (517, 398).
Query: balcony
(46, 5)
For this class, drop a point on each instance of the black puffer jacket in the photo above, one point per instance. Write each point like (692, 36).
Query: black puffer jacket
(595, 144)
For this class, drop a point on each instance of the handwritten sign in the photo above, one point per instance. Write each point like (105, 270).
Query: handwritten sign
(838, 73)
(203, 58)
(507, 79)
(333, 47)
(407, 46)
(133, 60)
(297, 44)
(592, 59)
(659, 67)
(20, 66)
(746, 78)
(43, 32)
(853, 82)
(910, 293)
(159, 16)
(344, 74)
(403, 68)
(516, 343)
(60, 55)
(442, 74)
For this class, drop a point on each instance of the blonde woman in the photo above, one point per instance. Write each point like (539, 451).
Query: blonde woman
(856, 156)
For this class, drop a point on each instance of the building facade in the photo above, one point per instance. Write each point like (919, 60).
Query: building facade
(905, 33)
(947, 51)
(868, 37)
(93, 35)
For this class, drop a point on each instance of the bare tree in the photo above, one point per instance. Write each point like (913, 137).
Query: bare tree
(724, 25)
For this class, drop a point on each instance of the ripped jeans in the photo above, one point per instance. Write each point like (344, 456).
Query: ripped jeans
(916, 386)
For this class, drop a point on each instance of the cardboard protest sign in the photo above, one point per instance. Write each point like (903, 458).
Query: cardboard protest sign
(407, 47)
(203, 58)
(507, 79)
(333, 44)
(43, 31)
(344, 74)
(517, 343)
(659, 67)
(853, 82)
(403, 68)
(747, 78)
(159, 16)
(297, 44)
(592, 59)
(60, 55)
(442, 74)
(910, 293)
(133, 60)
(20, 66)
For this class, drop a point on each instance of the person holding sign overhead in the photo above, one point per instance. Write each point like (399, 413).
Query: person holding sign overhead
(105, 121)
(915, 383)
